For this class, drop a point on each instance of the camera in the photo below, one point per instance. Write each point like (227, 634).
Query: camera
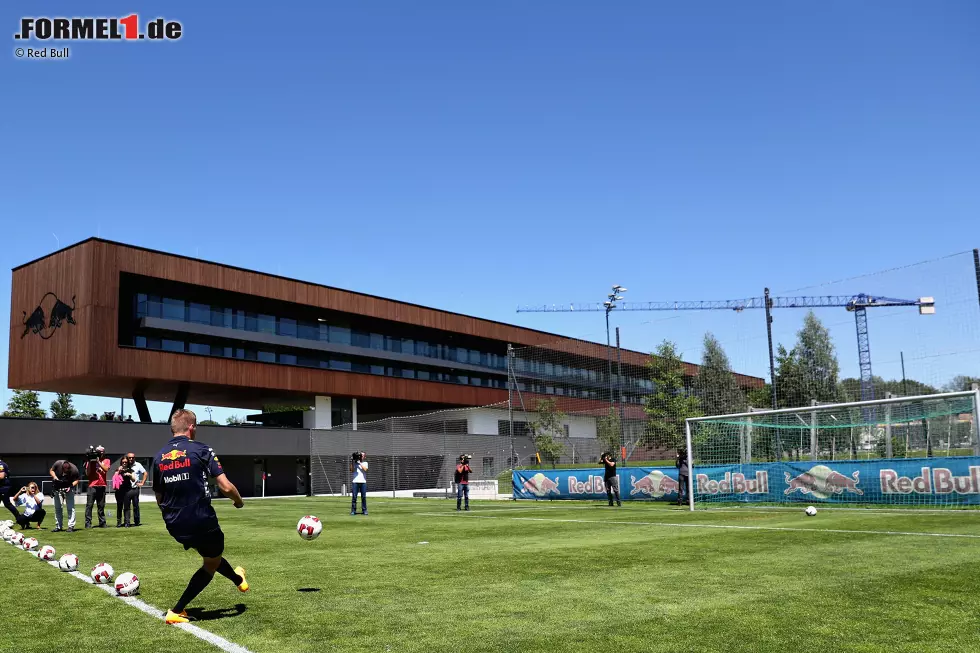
(466, 458)
(91, 454)
(355, 457)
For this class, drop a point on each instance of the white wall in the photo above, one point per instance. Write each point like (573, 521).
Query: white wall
(483, 421)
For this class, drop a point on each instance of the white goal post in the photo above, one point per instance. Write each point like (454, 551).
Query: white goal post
(922, 450)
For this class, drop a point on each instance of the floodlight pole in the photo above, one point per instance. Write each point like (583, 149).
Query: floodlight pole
(619, 391)
(772, 359)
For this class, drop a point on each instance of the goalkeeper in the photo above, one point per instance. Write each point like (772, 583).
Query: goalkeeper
(683, 477)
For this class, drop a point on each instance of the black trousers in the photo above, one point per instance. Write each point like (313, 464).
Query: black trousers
(131, 505)
(95, 495)
(37, 517)
(8, 504)
(120, 501)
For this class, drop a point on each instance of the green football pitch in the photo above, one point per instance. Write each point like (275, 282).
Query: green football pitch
(415, 575)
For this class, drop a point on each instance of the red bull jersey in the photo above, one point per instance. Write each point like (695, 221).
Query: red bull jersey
(180, 474)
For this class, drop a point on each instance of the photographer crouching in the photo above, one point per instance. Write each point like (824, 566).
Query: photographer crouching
(359, 468)
(462, 478)
(96, 468)
(609, 478)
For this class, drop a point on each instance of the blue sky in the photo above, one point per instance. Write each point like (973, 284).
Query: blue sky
(474, 157)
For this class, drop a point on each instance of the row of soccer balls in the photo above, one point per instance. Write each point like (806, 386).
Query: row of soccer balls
(126, 583)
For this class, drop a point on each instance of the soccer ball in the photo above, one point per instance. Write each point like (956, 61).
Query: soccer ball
(16, 539)
(127, 584)
(46, 552)
(7, 534)
(810, 511)
(309, 527)
(102, 573)
(68, 562)
(29, 543)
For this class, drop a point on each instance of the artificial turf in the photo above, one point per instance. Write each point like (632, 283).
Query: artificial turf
(507, 576)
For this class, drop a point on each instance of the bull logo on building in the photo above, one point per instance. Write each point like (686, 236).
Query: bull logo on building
(49, 315)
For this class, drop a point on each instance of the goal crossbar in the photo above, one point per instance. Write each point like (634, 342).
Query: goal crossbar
(832, 407)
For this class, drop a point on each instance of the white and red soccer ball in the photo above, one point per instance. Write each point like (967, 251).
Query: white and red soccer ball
(16, 539)
(127, 584)
(46, 552)
(309, 527)
(102, 573)
(68, 562)
(810, 511)
(29, 543)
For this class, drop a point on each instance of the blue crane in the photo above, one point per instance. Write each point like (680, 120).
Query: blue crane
(857, 304)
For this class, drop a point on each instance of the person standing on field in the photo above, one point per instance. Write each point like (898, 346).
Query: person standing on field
(359, 468)
(95, 471)
(610, 479)
(65, 479)
(683, 477)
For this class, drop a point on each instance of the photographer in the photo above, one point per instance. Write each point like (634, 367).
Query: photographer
(462, 478)
(32, 499)
(65, 479)
(683, 477)
(96, 468)
(609, 478)
(358, 467)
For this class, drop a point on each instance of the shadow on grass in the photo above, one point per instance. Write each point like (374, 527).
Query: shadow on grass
(308, 589)
(220, 613)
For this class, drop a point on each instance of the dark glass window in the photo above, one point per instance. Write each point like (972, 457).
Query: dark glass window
(308, 330)
(251, 321)
(464, 380)
(140, 341)
(251, 355)
(153, 343)
(341, 365)
(287, 327)
(422, 348)
(220, 350)
(267, 356)
(377, 341)
(173, 345)
(462, 355)
(154, 306)
(267, 323)
(238, 321)
(488, 467)
(173, 309)
(287, 359)
(362, 368)
(198, 313)
(378, 369)
(239, 352)
(306, 361)
(141, 305)
(475, 380)
(324, 329)
(408, 345)
(221, 317)
(408, 373)
(198, 348)
(393, 344)
(359, 338)
(423, 375)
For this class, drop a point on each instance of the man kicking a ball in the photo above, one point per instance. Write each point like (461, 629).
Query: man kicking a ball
(180, 473)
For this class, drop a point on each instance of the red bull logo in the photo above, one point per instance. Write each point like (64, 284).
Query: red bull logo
(540, 485)
(175, 455)
(735, 483)
(822, 482)
(654, 485)
(48, 316)
(931, 481)
(594, 485)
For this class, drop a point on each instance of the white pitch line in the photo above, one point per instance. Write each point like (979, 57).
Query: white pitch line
(717, 526)
(900, 511)
(200, 633)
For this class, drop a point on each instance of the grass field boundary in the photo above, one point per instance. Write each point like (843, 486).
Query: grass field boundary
(142, 606)
(790, 529)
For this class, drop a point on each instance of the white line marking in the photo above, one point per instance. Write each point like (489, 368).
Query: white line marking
(718, 526)
(200, 633)
(900, 511)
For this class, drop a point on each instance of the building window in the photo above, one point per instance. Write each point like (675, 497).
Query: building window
(408, 373)
(267, 323)
(139, 341)
(377, 341)
(267, 356)
(287, 327)
(287, 359)
(198, 313)
(306, 361)
(488, 467)
(378, 369)
(393, 344)
(198, 348)
(360, 338)
(340, 335)
(173, 345)
(308, 330)
(173, 309)
(221, 317)
(342, 365)
(423, 375)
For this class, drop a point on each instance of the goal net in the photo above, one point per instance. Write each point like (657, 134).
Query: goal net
(909, 451)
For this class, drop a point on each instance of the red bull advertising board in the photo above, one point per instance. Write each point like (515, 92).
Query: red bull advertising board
(923, 481)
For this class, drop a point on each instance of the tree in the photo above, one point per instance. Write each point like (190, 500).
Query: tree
(548, 429)
(898, 387)
(208, 422)
(234, 420)
(760, 397)
(961, 382)
(25, 403)
(809, 371)
(715, 385)
(608, 430)
(670, 404)
(62, 407)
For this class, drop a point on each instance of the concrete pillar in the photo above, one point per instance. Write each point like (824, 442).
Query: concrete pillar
(353, 403)
(322, 417)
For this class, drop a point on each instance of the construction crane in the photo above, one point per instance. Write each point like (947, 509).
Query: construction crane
(857, 304)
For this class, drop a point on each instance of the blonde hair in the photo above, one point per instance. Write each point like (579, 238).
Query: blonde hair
(182, 420)
(32, 484)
